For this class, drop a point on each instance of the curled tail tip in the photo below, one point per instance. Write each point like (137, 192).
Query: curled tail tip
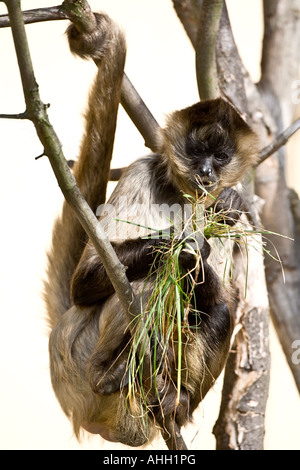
(93, 45)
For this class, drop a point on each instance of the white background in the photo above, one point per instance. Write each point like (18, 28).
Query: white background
(160, 63)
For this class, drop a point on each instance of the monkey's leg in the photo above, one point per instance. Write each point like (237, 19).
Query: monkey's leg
(107, 364)
(107, 367)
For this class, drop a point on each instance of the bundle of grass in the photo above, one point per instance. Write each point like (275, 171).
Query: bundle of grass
(168, 324)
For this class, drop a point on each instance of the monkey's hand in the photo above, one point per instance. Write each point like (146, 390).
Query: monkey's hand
(188, 257)
(229, 205)
(166, 407)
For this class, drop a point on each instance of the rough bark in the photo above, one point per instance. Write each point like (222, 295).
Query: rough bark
(280, 65)
(240, 425)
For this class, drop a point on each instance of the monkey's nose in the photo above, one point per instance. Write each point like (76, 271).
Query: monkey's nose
(205, 171)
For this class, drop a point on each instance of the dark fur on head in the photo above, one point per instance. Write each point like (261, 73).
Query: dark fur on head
(206, 128)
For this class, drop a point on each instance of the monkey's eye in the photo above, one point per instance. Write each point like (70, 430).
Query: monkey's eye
(198, 151)
(222, 156)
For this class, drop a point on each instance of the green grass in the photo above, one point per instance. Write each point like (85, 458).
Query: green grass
(164, 321)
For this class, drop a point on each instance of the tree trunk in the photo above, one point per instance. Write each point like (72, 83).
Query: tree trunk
(280, 66)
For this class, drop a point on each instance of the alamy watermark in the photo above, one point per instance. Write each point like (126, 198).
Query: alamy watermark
(122, 220)
(296, 353)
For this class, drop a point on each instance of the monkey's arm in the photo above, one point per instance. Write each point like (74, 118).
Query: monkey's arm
(90, 283)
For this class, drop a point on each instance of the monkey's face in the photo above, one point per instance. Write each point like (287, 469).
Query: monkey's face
(208, 145)
(208, 151)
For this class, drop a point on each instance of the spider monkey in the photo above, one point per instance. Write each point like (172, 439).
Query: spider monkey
(89, 341)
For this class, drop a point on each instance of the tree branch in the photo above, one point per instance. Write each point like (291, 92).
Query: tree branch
(14, 116)
(206, 65)
(280, 65)
(186, 14)
(140, 115)
(231, 71)
(37, 15)
(201, 19)
(280, 140)
(116, 173)
(240, 425)
(280, 61)
(133, 104)
(81, 15)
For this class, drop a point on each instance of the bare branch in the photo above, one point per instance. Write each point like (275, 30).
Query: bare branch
(14, 116)
(81, 15)
(280, 140)
(139, 113)
(36, 16)
(231, 71)
(280, 59)
(186, 14)
(115, 173)
(172, 436)
(201, 19)
(206, 66)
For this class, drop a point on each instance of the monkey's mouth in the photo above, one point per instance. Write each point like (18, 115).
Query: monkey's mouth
(203, 184)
